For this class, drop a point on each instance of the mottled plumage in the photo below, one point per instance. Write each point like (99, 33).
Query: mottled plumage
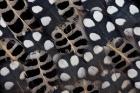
(69, 46)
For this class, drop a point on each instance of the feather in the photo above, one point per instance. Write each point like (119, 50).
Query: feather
(125, 15)
(69, 9)
(98, 24)
(82, 86)
(5, 33)
(72, 11)
(72, 32)
(13, 49)
(19, 15)
(41, 72)
(86, 46)
(48, 17)
(12, 77)
(70, 37)
(122, 52)
(94, 5)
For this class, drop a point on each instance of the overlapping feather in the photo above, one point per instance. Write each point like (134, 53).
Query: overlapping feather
(95, 70)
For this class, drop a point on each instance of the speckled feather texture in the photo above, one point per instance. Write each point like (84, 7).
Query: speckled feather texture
(69, 46)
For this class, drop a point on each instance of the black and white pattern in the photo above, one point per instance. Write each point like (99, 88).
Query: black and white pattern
(17, 13)
(41, 72)
(12, 77)
(69, 46)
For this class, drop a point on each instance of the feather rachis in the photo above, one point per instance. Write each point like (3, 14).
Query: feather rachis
(36, 56)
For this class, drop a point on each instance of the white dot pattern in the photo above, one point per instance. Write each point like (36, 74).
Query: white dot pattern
(74, 60)
(111, 10)
(132, 73)
(137, 31)
(120, 21)
(88, 56)
(81, 72)
(37, 9)
(37, 36)
(133, 9)
(28, 43)
(92, 70)
(2, 22)
(48, 45)
(120, 3)
(105, 84)
(14, 65)
(110, 26)
(45, 20)
(4, 71)
(138, 64)
(8, 85)
(94, 37)
(64, 77)
(137, 85)
(98, 16)
(115, 76)
(63, 63)
(97, 49)
(107, 60)
(88, 22)
(1, 33)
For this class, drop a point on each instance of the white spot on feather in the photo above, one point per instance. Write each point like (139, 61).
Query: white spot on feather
(88, 22)
(138, 64)
(81, 72)
(37, 36)
(92, 70)
(133, 9)
(120, 3)
(8, 85)
(94, 36)
(111, 10)
(97, 49)
(137, 31)
(2, 22)
(14, 65)
(4, 71)
(37, 9)
(1, 33)
(28, 43)
(105, 84)
(64, 77)
(115, 76)
(65, 91)
(83, 0)
(139, 43)
(45, 20)
(52, 1)
(74, 60)
(31, 1)
(98, 16)
(132, 73)
(63, 63)
(107, 60)
(120, 21)
(110, 27)
(22, 75)
(137, 85)
(48, 45)
(88, 56)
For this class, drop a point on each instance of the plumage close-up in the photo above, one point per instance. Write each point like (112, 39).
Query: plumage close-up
(69, 46)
